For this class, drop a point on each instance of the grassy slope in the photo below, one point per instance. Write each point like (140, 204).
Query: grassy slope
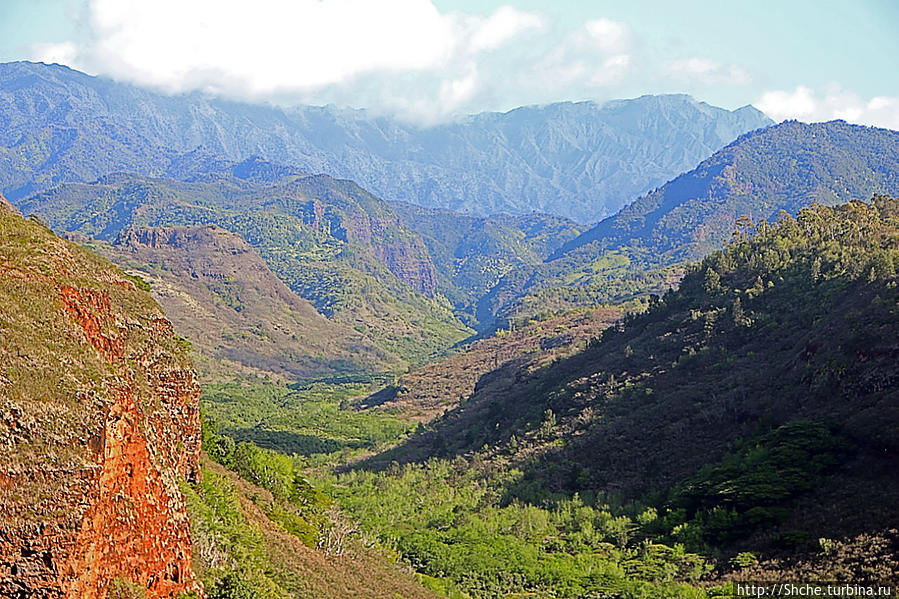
(47, 367)
(232, 533)
(318, 235)
(429, 391)
(240, 317)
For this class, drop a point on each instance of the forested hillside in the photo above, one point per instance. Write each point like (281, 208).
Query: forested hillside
(331, 242)
(359, 260)
(240, 317)
(784, 167)
(747, 416)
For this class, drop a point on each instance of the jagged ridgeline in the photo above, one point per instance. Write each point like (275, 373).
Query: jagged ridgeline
(99, 425)
(581, 160)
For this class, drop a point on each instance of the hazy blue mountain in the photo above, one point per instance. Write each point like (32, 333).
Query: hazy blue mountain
(785, 167)
(581, 160)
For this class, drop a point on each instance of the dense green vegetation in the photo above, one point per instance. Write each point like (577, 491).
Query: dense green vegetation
(450, 520)
(231, 547)
(303, 419)
(710, 421)
(763, 380)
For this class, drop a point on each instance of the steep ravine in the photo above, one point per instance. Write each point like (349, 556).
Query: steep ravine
(99, 423)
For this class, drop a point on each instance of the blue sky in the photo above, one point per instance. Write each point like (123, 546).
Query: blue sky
(430, 60)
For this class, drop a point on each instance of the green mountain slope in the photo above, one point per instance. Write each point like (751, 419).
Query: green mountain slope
(472, 254)
(754, 409)
(241, 319)
(330, 241)
(784, 167)
(102, 434)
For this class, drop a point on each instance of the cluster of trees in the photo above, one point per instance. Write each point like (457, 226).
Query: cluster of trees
(303, 418)
(453, 521)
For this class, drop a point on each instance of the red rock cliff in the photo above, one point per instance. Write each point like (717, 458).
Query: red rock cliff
(99, 424)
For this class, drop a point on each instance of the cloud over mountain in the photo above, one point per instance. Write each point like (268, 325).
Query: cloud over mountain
(806, 104)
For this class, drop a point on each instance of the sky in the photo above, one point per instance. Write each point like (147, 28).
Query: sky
(430, 60)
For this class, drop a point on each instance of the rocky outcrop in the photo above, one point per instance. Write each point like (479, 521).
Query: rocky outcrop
(6, 206)
(99, 425)
(403, 252)
(410, 263)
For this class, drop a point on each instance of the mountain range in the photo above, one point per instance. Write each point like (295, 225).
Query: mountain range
(424, 372)
(330, 241)
(748, 412)
(580, 160)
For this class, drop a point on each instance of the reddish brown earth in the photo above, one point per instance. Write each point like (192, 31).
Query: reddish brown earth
(99, 422)
(436, 388)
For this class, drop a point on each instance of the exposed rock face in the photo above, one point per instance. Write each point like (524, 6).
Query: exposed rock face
(99, 422)
(402, 252)
(410, 263)
(5, 205)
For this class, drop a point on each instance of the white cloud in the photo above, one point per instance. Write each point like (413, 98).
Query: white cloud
(805, 104)
(503, 25)
(612, 37)
(63, 53)
(595, 55)
(265, 46)
(704, 70)
(290, 49)
(613, 70)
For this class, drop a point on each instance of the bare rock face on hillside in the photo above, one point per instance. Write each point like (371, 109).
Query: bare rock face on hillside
(6, 206)
(406, 256)
(99, 424)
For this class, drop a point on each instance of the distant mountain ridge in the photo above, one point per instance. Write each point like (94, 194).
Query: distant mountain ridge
(784, 167)
(579, 160)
